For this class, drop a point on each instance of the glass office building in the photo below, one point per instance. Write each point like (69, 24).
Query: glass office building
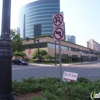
(70, 38)
(35, 18)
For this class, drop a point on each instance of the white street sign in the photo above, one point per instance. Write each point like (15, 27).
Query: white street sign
(69, 76)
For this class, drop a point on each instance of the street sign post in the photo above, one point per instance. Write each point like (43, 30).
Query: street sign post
(59, 34)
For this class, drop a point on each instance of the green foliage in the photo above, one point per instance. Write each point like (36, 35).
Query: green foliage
(42, 54)
(49, 57)
(21, 54)
(50, 96)
(17, 46)
(53, 89)
(39, 98)
(16, 42)
(83, 80)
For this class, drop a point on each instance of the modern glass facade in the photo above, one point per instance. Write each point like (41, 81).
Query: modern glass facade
(70, 38)
(35, 18)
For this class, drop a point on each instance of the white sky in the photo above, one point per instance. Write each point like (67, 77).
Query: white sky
(82, 18)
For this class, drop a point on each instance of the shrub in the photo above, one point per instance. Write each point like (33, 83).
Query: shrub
(39, 98)
(53, 89)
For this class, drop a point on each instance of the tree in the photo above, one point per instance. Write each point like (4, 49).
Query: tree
(49, 57)
(17, 46)
(42, 54)
(17, 54)
(16, 42)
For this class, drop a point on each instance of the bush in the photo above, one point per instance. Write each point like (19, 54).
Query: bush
(39, 98)
(53, 89)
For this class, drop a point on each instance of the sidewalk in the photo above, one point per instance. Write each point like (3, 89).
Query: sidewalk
(68, 64)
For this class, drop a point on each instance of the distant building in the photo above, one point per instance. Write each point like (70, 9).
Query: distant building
(70, 38)
(35, 18)
(47, 43)
(93, 45)
(18, 30)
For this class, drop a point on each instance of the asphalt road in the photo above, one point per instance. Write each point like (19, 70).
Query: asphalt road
(90, 71)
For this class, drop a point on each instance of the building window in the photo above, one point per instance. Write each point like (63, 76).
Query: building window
(35, 45)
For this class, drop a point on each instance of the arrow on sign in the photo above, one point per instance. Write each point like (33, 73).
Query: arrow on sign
(58, 20)
(59, 33)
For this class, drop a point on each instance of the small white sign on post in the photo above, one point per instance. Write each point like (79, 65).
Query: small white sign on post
(69, 76)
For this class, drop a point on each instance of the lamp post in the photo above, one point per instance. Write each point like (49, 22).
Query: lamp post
(70, 55)
(89, 57)
(78, 58)
(27, 38)
(38, 49)
(81, 56)
(98, 53)
(6, 54)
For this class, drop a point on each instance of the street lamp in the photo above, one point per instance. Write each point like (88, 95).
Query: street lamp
(70, 55)
(81, 55)
(98, 53)
(27, 38)
(6, 54)
(89, 56)
(79, 58)
(38, 49)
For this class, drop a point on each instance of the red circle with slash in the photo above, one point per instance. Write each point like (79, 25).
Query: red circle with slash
(58, 31)
(59, 20)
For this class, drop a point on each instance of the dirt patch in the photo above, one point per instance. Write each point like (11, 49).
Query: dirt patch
(29, 96)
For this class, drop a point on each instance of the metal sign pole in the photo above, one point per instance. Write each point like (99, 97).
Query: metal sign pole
(59, 34)
(60, 62)
(55, 53)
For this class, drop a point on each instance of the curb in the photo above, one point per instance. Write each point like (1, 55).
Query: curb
(35, 64)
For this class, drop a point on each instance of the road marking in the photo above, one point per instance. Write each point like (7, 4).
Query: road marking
(25, 68)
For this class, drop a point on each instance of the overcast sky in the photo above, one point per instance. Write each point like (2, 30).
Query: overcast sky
(82, 18)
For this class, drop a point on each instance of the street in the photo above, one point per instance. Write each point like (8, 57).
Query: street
(89, 70)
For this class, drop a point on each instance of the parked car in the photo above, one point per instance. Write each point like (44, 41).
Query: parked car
(19, 62)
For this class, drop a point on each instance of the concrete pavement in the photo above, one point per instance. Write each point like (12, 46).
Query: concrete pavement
(68, 64)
